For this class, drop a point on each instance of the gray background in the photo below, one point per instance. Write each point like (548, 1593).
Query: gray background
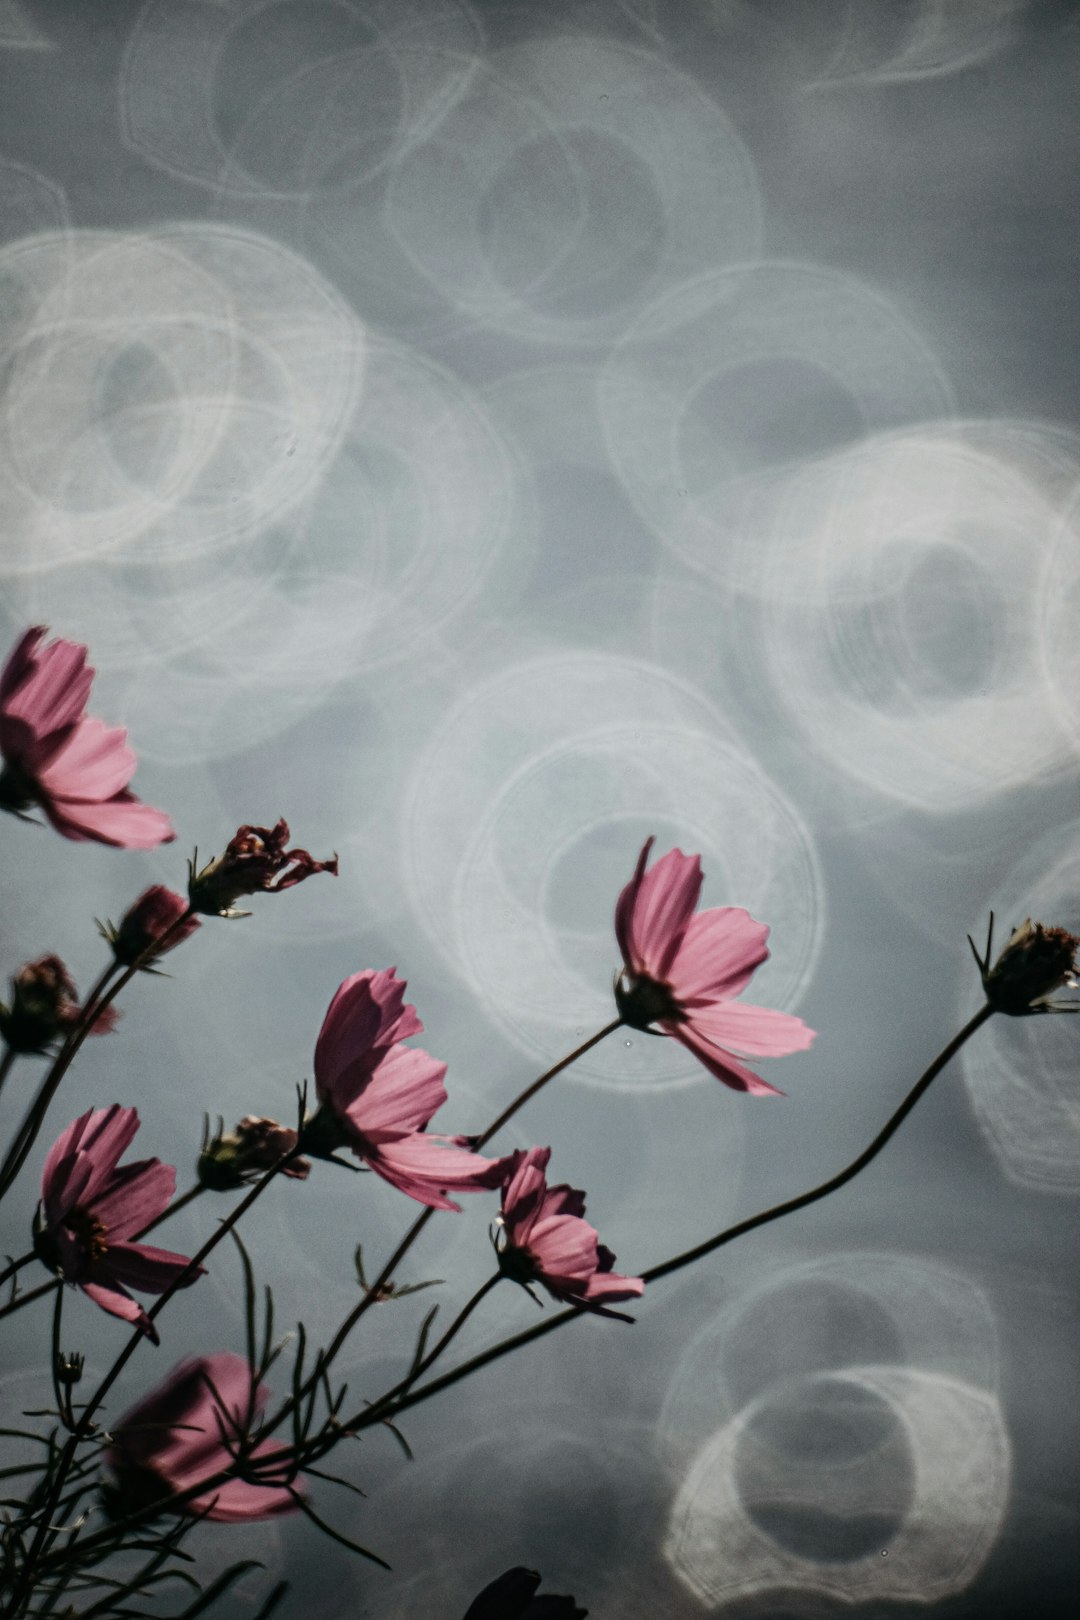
(486, 435)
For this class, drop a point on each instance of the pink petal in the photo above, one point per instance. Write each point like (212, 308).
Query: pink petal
(237, 1501)
(424, 1169)
(609, 1285)
(757, 1031)
(118, 1302)
(65, 1187)
(123, 821)
(136, 1194)
(661, 910)
(563, 1200)
(367, 1011)
(523, 1195)
(564, 1247)
(95, 763)
(718, 955)
(722, 1064)
(624, 908)
(403, 1091)
(48, 687)
(151, 1271)
(104, 1134)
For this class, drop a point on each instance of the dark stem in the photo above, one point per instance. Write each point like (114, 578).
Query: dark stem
(730, 1233)
(374, 1292)
(82, 1428)
(98, 999)
(6, 1063)
(20, 1300)
(530, 1091)
(16, 1265)
(433, 1355)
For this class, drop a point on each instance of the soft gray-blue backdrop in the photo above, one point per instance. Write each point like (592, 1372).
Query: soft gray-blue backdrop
(486, 434)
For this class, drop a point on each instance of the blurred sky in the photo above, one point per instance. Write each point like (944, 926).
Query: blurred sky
(489, 434)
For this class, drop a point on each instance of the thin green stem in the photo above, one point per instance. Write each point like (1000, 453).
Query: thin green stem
(689, 1256)
(433, 1355)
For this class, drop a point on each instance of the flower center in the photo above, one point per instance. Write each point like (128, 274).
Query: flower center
(643, 1001)
(88, 1231)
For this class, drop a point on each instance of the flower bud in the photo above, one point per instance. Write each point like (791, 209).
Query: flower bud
(69, 1367)
(255, 861)
(1035, 962)
(242, 1156)
(44, 1007)
(158, 911)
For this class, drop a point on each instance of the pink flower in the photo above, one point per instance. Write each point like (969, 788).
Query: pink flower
(76, 768)
(379, 1095)
(189, 1429)
(547, 1239)
(255, 861)
(45, 1007)
(158, 911)
(683, 972)
(513, 1597)
(91, 1211)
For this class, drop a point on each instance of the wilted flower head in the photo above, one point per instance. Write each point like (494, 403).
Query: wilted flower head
(243, 1155)
(545, 1238)
(189, 1429)
(255, 861)
(92, 1209)
(56, 756)
(682, 972)
(378, 1096)
(45, 1006)
(513, 1597)
(1036, 962)
(157, 912)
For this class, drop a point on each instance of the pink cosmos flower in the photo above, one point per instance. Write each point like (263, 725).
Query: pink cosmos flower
(683, 972)
(379, 1095)
(92, 1208)
(547, 1239)
(513, 1597)
(189, 1429)
(75, 767)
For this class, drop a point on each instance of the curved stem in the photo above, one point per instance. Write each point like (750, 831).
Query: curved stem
(20, 1300)
(96, 1003)
(374, 1292)
(433, 1355)
(83, 1427)
(728, 1235)
(530, 1091)
(6, 1063)
(16, 1265)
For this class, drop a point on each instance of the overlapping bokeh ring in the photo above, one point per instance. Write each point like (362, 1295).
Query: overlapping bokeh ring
(907, 1507)
(905, 637)
(572, 181)
(343, 88)
(729, 383)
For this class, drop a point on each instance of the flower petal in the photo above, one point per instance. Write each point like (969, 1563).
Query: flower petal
(118, 1302)
(134, 1195)
(660, 912)
(717, 956)
(402, 1093)
(424, 1169)
(755, 1031)
(721, 1063)
(368, 1011)
(124, 821)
